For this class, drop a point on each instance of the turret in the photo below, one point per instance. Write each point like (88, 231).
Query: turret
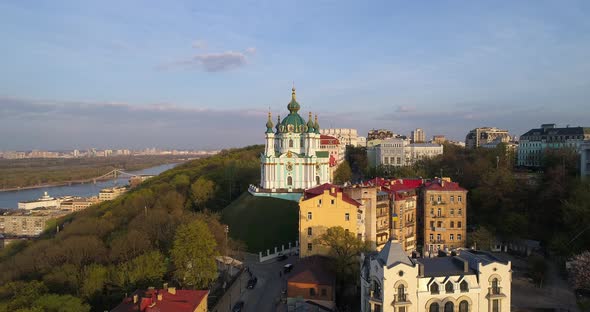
(269, 125)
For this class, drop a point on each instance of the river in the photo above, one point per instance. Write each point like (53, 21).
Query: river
(10, 199)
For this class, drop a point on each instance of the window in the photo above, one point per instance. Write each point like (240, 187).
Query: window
(458, 237)
(464, 306)
(460, 212)
(309, 247)
(464, 288)
(495, 305)
(290, 143)
(289, 181)
(495, 287)
(401, 309)
(449, 307)
(452, 198)
(449, 287)
(347, 216)
(433, 307)
(312, 292)
(439, 198)
(317, 180)
(431, 237)
(319, 202)
(451, 237)
(434, 291)
(432, 211)
(359, 236)
(401, 294)
(332, 202)
(431, 198)
(431, 223)
(459, 198)
(438, 237)
(309, 231)
(459, 224)
(439, 224)
(452, 224)
(452, 211)
(438, 212)
(309, 215)
(324, 292)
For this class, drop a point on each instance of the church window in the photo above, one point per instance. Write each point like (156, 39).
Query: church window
(449, 287)
(449, 307)
(317, 180)
(464, 287)
(433, 307)
(290, 143)
(464, 306)
(289, 181)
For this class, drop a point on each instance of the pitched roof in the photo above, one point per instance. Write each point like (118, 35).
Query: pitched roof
(180, 301)
(558, 131)
(319, 190)
(313, 270)
(326, 139)
(443, 266)
(392, 254)
(438, 185)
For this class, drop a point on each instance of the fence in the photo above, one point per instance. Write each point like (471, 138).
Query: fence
(283, 250)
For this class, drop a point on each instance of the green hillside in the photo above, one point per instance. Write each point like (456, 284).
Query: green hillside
(116, 247)
(262, 222)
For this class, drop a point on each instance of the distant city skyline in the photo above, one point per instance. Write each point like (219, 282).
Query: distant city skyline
(202, 75)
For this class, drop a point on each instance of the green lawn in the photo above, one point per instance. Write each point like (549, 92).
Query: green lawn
(262, 222)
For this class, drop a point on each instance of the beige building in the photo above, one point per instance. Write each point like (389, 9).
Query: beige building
(444, 208)
(439, 139)
(470, 281)
(418, 136)
(478, 136)
(323, 207)
(345, 136)
(27, 223)
(403, 228)
(374, 214)
(111, 193)
(398, 152)
(77, 204)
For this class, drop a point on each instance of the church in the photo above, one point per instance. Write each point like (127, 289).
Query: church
(292, 160)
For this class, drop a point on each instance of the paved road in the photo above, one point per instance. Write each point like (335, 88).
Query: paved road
(267, 293)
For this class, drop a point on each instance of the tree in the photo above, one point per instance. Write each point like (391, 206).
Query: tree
(141, 272)
(343, 173)
(193, 254)
(537, 269)
(57, 303)
(95, 277)
(344, 247)
(481, 238)
(202, 191)
(579, 271)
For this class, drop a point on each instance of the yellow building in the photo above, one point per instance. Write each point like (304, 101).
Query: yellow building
(404, 218)
(111, 193)
(444, 206)
(320, 208)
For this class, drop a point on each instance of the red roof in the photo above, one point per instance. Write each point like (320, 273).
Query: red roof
(180, 301)
(328, 140)
(438, 185)
(319, 190)
(313, 270)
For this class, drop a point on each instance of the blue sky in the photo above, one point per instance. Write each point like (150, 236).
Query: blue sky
(202, 74)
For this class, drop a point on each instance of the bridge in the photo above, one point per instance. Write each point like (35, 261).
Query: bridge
(113, 174)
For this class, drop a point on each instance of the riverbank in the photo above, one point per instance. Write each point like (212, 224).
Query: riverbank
(24, 174)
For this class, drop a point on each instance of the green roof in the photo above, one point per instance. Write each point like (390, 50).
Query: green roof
(322, 154)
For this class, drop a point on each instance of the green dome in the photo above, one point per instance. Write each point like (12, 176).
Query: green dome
(293, 106)
(293, 123)
(316, 125)
(310, 125)
(269, 124)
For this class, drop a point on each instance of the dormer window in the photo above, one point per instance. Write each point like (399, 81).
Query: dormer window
(434, 289)
(449, 287)
(464, 286)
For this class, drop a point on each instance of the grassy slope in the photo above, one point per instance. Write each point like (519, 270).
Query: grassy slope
(262, 222)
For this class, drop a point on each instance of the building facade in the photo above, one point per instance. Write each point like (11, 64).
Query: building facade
(444, 216)
(379, 134)
(311, 280)
(585, 160)
(439, 139)
(111, 193)
(292, 159)
(470, 281)
(345, 136)
(323, 207)
(27, 223)
(44, 201)
(479, 136)
(418, 136)
(398, 152)
(533, 144)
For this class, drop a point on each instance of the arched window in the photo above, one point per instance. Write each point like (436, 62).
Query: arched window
(464, 306)
(317, 180)
(434, 288)
(464, 287)
(449, 307)
(433, 307)
(495, 286)
(449, 287)
(289, 181)
(401, 293)
(290, 143)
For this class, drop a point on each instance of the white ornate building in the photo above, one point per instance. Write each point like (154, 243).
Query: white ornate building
(292, 159)
(470, 281)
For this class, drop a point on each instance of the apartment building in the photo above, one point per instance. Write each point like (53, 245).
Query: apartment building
(478, 136)
(27, 223)
(533, 144)
(323, 207)
(398, 152)
(111, 193)
(418, 136)
(469, 281)
(444, 215)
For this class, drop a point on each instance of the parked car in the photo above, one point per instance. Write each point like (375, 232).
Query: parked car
(287, 268)
(252, 282)
(282, 257)
(238, 306)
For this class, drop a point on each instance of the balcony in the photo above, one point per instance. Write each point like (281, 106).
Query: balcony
(442, 215)
(437, 241)
(438, 229)
(495, 292)
(383, 228)
(401, 300)
(409, 223)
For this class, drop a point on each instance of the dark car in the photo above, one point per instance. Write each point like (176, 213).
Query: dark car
(288, 267)
(252, 282)
(282, 257)
(238, 306)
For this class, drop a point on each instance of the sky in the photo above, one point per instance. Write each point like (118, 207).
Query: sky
(204, 74)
